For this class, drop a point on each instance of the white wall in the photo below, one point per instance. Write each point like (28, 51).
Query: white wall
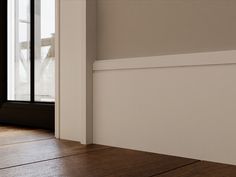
(184, 111)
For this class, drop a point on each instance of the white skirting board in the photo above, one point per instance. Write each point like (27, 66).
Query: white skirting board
(182, 105)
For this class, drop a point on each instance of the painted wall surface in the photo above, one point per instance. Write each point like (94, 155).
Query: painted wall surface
(136, 28)
(182, 111)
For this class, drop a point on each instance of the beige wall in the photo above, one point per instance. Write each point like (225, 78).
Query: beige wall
(134, 28)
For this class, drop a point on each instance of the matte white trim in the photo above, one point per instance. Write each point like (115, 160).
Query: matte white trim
(57, 71)
(180, 60)
(75, 53)
(182, 111)
(71, 104)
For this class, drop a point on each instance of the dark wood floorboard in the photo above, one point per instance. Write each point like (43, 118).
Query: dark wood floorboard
(23, 153)
(27, 152)
(203, 169)
(109, 162)
(12, 135)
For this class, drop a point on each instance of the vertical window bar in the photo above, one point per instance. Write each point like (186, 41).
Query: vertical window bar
(32, 50)
(3, 52)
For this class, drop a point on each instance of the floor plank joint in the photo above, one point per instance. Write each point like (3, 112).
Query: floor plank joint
(27, 152)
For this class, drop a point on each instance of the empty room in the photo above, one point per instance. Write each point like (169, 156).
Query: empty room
(117, 88)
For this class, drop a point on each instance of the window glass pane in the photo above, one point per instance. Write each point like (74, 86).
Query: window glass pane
(19, 50)
(23, 9)
(44, 50)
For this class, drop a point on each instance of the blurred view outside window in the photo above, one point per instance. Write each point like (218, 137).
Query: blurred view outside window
(19, 50)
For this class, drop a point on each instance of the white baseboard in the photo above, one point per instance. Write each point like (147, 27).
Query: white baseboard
(181, 60)
(181, 111)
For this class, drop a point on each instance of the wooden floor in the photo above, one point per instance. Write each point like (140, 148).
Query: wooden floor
(27, 152)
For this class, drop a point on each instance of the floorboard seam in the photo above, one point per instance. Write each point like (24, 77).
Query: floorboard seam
(61, 157)
(176, 168)
(22, 142)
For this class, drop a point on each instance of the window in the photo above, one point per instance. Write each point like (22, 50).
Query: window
(30, 53)
(27, 30)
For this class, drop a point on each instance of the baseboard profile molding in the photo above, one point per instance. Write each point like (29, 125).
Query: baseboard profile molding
(185, 111)
(165, 61)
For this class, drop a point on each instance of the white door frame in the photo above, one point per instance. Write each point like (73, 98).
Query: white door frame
(73, 118)
(57, 73)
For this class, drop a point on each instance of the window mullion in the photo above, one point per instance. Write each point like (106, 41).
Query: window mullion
(32, 50)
